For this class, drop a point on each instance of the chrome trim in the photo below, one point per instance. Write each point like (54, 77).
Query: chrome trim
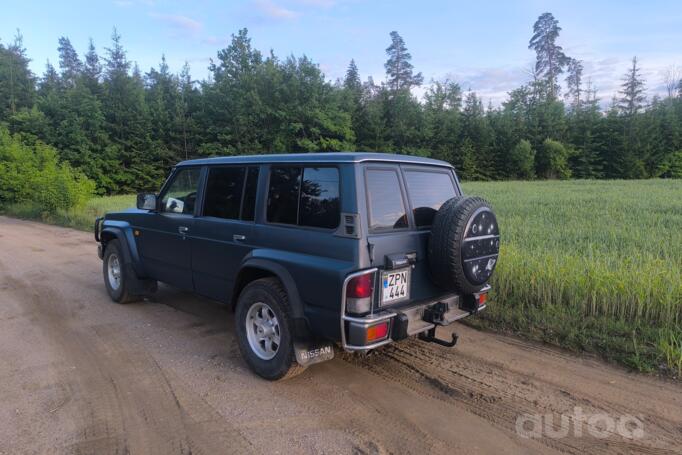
(473, 215)
(478, 258)
(482, 237)
(367, 321)
(483, 290)
(343, 303)
(369, 346)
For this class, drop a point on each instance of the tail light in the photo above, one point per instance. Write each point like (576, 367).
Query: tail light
(377, 332)
(481, 298)
(359, 292)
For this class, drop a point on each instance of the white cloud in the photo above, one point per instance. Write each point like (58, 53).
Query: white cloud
(183, 25)
(274, 11)
(318, 3)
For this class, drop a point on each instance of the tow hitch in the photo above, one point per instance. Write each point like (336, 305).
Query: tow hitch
(434, 314)
(430, 337)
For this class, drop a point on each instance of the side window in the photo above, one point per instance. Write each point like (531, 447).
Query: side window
(319, 205)
(250, 189)
(285, 184)
(304, 196)
(224, 192)
(428, 191)
(386, 206)
(182, 192)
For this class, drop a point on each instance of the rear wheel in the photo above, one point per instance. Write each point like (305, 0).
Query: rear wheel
(264, 330)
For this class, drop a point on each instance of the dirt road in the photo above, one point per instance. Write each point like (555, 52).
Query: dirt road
(80, 374)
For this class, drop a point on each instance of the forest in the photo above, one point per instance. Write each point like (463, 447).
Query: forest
(120, 129)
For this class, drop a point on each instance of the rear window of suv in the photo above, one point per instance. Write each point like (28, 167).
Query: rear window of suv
(304, 196)
(427, 192)
(386, 205)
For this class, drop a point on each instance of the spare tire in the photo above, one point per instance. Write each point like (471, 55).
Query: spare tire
(464, 244)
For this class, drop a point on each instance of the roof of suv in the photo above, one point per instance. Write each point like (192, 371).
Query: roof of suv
(321, 157)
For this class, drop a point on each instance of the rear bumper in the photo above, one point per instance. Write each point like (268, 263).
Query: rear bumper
(404, 322)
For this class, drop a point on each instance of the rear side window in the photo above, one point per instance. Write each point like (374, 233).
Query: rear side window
(427, 192)
(224, 192)
(320, 197)
(285, 185)
(386, 206)
(304, 196)
(250, 188)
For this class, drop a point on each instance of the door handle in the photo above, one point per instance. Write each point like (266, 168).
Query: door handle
(238, 237)
(183, 230)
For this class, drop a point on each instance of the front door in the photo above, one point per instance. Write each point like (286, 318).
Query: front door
(164, 240)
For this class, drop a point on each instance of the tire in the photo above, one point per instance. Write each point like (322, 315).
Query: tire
(464, 245)
(113, 267)
(264, 305)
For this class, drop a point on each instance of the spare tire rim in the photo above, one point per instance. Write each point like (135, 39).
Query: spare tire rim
(481, 245)
(262, 330)
(114, 271)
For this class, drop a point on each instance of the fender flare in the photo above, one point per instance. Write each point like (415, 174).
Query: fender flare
(124, 234)
(284, 276)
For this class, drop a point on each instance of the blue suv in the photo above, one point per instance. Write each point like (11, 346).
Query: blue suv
(309, 250)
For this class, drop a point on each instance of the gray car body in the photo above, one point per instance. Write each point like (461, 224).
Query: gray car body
(311, 263)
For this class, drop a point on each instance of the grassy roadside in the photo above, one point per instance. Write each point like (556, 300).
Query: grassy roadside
(79, 218)
(591, 266)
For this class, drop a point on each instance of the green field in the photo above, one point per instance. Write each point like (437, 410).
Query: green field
(591, 265)
(587, 265)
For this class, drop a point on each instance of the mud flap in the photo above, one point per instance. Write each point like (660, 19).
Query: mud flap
(312, 352)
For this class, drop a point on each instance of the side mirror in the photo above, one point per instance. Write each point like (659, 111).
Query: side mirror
(146, 201)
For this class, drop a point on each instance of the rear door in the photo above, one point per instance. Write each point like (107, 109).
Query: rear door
(401, 203)
(222, 234)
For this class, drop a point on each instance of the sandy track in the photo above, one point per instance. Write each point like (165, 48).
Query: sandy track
(79, 374)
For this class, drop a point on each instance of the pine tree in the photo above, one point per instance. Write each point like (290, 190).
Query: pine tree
(551, 59)
(399, 70)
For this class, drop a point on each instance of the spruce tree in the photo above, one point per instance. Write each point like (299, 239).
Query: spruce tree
(69, 63)
(92, 69)
(17, 82)
(632, 91)
(574, 83)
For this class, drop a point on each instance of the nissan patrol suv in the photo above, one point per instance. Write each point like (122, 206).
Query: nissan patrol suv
(309, 250)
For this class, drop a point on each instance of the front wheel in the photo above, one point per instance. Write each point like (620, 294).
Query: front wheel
(115, 278)
(264, 330)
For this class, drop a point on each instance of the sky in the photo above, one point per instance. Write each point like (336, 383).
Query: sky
(482, 45)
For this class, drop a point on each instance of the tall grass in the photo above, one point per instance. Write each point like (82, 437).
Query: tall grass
(82, 218)
(593, 265)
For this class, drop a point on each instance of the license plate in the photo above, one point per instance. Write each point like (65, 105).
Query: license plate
(395, 286)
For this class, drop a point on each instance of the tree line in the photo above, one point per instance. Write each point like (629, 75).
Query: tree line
(124, 128)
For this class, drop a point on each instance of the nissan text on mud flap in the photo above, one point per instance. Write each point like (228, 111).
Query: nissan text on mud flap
(310, 250)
